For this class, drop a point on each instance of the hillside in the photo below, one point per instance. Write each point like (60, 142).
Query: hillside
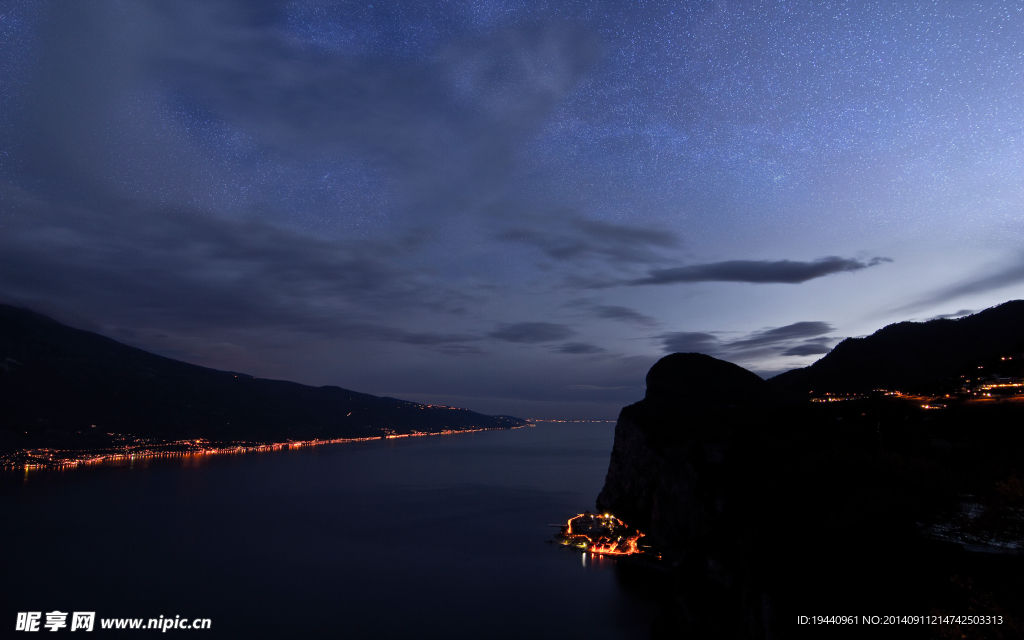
(70, 389)
(915, 355)
(762, 506)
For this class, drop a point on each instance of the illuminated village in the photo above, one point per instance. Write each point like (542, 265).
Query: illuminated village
(601, 534)
(975, 389)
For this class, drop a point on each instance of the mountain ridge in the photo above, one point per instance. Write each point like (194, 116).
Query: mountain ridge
(909, 355)
(57, 382)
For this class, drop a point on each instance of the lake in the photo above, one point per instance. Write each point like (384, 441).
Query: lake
(434, 537)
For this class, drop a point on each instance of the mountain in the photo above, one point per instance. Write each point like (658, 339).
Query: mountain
(766, 503)
(695, 378)
(67, 388)
(912, 355)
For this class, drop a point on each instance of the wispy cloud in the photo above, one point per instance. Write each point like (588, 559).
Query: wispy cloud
(812, 347)
(690, 341)
(795, 331)
(624, 314)
(797, 339)
(956, 314)
(1005, 276)
(579, 239)
(593, 308)
(580, 348)
(531, 332)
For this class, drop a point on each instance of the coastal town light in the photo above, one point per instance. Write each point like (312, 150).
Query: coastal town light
(601, 534)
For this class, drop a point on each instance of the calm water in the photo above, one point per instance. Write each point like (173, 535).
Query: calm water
(439, 537)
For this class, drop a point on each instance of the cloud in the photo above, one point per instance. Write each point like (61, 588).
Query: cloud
(615, 312)
(757, 271)
(459, 350)
(612, 312)
(138, 113)
(182, 271)
(431, 339)
(797, 339)
(444, 124)
(531, 332)
(787, 333)
(622, 234)
(594, 387)
(223, 104)
(956, 314)
(578, 348)
(687, 342)
(578, 238)
(810, 347)
(1012, 274)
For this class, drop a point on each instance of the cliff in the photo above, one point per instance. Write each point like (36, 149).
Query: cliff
(765, 508)
(672, 474)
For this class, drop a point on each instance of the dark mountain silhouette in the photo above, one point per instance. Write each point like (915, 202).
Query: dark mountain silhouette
(57, 382)
(912, 355)
(764, 501)
(689, 378)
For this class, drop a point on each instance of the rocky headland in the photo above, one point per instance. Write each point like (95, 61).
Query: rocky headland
(823, 493)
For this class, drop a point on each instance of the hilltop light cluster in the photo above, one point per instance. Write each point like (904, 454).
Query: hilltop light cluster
(600, 533)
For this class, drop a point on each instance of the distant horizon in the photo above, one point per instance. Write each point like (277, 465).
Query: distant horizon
(436, 400)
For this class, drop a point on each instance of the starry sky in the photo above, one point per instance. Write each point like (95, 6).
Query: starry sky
(511, 207)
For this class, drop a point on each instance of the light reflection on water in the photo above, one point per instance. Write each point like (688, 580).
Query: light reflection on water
(428, 537)
(982, 529)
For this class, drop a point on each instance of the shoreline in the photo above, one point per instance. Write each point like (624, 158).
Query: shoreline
(69, 459)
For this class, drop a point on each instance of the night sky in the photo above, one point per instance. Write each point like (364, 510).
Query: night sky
(510, 207)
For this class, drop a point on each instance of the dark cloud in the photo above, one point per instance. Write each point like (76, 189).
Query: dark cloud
(579, 348)
(799, 338)
(614, 312)
(184, 271)
(577, 238)
(956, 314)
(459, 350)
(810, 347)
(757, 271)
(430, 339)
(787, 333)
(626, 234)
(531, 332)
(688, 342)
(226, 104)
